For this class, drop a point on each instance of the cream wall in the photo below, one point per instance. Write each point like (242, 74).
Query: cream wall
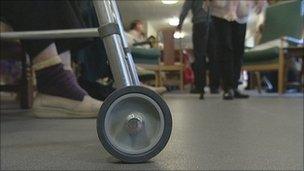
(151, 31)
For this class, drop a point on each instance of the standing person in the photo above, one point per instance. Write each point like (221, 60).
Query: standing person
(199, 38)
(214, 76)
(229, 20)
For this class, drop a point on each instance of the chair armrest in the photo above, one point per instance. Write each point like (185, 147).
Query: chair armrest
(5, 27)
(293, 40)
(11, 50)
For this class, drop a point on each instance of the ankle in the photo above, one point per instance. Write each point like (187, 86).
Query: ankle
(56, 81)
(202, 95)
(47, 54)
(66, 60)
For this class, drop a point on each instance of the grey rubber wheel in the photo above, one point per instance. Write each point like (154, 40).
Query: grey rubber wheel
(134, 124)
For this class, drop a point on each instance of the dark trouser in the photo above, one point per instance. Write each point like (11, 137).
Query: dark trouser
(199, 46)
(230, 39)
(214, 76)
(43, 15)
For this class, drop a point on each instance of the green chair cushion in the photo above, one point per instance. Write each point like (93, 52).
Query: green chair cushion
(283, 19)
(146, 61)
(277, 24)
(261, 56)
(146, 56)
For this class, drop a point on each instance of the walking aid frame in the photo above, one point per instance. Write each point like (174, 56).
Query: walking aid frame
(134, 123)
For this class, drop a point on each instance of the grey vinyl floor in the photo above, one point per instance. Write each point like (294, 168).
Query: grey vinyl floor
(263, 132)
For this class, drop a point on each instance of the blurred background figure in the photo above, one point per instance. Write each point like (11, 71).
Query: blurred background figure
(199, 39)
(136, 36)
(136, 39)
(229, 21)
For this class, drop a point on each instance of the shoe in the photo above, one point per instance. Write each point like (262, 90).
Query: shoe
(228, 95)
(159, 90)
(96, 90)
(195, 91)
(202, 94)
(239, 95)
(47, 106)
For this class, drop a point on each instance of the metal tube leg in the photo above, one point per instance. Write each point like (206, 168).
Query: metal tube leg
(132, 68)
(113, 45)
(130, 61)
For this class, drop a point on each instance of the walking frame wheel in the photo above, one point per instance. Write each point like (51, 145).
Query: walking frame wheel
(134, 124)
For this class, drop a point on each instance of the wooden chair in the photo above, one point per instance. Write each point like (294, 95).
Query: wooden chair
(168, 63)
(172, 59)
(284, 23)
(24, 89)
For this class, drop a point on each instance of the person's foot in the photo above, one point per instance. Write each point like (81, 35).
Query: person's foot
(60, 95)
(47, 106)
(57, 81)
(195, 91)
(228, 95)
(239, 95)
(96, 90)
(202, 96)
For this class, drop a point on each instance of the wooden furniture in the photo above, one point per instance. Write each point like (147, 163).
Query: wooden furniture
(158, 69)
(24, 88)
(295, 52)
(169, 63)
(274, 58)
(166, 61)
(13, 50)
(285, 53)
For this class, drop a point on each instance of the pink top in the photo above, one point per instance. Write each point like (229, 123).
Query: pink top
(236, 10)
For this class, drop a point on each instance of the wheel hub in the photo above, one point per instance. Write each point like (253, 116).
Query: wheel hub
(135, 123)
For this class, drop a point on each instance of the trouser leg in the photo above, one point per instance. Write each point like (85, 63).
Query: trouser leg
(42, 15)
(224, 51)
(238, 35)
(214, 76)
(199, 47)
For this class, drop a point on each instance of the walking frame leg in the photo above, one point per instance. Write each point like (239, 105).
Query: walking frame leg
(129, 57)
(119, 56)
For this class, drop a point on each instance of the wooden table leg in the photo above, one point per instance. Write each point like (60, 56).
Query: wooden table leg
(156, 79)
(258, 81)
(181, 86)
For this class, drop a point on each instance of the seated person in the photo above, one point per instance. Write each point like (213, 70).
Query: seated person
(136, 36)
(59, 94)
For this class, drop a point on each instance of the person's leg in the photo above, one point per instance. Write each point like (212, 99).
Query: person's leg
(58, 86)
(54, 77)
(59, 93)
(66, 58)
(199, 47)
(239, 33)
(42, 15)
(224, 54)
(214, 76)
